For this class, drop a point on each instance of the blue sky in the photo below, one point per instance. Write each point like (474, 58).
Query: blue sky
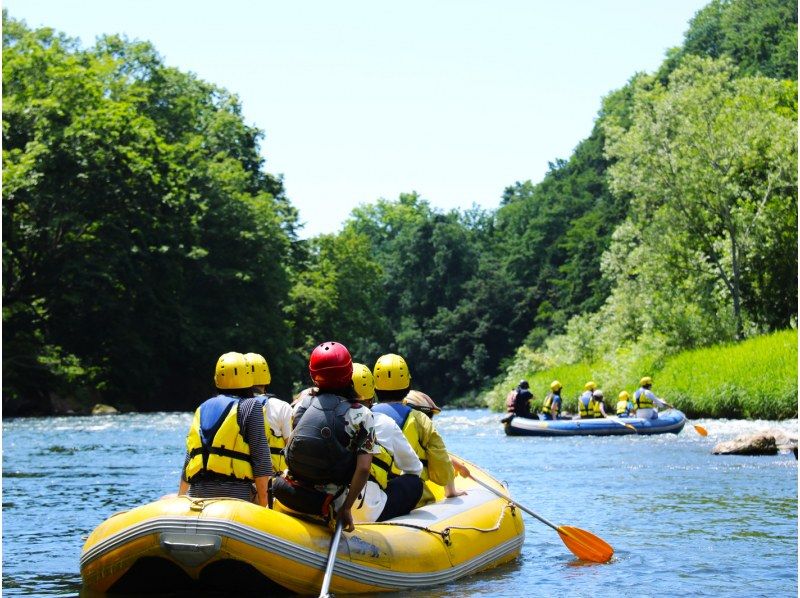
(454, 99)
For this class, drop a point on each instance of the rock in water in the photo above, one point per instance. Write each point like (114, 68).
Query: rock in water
(101, 409)
(749, 444)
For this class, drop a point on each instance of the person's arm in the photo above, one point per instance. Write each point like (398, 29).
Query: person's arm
(262, 482)
(357, 482)
(260, 460)
(658, 402)
(404, 456)
(284, 415)
(440, 468)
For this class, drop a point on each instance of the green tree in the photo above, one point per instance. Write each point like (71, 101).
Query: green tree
(141, 237)
(760, 36)
(711, 161)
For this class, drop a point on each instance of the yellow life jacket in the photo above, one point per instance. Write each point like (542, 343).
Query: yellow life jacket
(547, 405)
(642, 400)
(381, 466)
(594, 407)
(622, 408)
(215, 443)
(276, 441)
(583, 408)
(400, 414)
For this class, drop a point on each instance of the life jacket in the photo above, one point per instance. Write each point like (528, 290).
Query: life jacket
(215, 442)
(276, 442)
(583, 408)
(547, 405)
(594, 407)
(317, 451)
(642, 400)
(380, 471)
(511, 401)
(400, 414)
(623, 408)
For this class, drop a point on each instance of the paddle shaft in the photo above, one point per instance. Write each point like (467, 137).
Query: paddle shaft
(515, 503)
(697, 427)
(326, 580)
(616, 420)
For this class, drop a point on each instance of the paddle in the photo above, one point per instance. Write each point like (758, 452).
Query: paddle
(698, 428)
(616, 420)
(581, 543)
(326, 580)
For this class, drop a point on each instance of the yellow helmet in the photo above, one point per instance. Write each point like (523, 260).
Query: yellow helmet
(624, 396)
(421, 401)
(555, 386)
(259, 367)
(391, 373)
(589, 385)
(646, 381)
(363, 382)
(232, 372)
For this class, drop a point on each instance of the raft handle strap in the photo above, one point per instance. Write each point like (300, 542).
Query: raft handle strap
(445, 533)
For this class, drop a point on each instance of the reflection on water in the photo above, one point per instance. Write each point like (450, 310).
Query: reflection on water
(682, 521)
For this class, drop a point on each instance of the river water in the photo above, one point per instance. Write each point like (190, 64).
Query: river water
(681, 520)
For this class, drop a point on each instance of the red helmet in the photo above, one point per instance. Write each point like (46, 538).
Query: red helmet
(331, 366)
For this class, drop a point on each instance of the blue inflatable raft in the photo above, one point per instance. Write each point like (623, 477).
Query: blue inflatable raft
(670, 420)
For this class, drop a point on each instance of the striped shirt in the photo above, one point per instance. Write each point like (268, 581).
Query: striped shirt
(250, 418)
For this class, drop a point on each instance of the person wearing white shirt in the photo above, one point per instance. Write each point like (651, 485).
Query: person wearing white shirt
(402, 492)
(646, 402)
(277, 413)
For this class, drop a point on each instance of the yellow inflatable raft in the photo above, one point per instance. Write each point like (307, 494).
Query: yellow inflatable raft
(179, 543)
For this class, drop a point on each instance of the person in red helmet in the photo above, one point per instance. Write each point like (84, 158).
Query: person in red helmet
(330, 450)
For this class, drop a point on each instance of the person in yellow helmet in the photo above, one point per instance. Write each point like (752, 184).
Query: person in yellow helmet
(646, 402)
(625, 405)
(585, 398)
(551, 406)
(277, 413)
(392, 385)
(386, 495)
(227, 451)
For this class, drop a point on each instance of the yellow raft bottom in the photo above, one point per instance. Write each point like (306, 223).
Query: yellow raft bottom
(181, 543)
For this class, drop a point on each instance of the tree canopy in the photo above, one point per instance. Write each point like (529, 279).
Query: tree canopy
(140, 232)
(143, 235)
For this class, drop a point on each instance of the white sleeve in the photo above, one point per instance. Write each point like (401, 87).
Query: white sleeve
(404, 456)
(657, 401)
(280, 416)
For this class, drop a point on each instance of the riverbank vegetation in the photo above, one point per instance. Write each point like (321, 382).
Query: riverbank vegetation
(143, 234)
(756, 378)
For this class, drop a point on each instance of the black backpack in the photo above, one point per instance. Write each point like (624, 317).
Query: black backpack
(317, 452)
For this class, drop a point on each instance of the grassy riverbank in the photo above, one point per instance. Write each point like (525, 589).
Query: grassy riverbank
(755, 379)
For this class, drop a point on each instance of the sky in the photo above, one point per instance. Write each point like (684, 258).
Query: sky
(361, 100)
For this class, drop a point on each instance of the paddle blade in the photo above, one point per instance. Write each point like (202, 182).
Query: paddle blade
(700, 430)
(585, 545)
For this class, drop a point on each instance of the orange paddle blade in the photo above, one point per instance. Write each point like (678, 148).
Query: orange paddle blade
(700, 430)
(585, 545)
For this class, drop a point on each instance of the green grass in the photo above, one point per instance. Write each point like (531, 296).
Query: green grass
(754, 379)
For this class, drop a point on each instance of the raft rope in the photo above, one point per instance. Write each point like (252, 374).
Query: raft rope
(445, 533)
(198, 504)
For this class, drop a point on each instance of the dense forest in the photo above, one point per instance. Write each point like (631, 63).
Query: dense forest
(143, 234)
